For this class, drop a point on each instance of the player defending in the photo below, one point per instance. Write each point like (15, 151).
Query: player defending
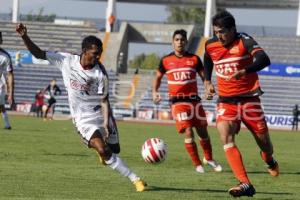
(236, 58)
(87, 84)
(181, 69)
(6, 86)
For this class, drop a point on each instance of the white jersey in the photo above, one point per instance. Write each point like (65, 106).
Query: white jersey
(2, 89)
(2, 83)
(5, 65)
(85, 87)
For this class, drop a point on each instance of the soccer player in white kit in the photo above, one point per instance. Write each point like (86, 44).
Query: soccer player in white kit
(86, 81)
(6, 87)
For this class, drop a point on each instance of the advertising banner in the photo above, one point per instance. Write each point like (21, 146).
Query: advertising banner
(277, 69)
(279, 120)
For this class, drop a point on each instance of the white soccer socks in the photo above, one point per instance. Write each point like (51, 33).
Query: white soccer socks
(118, 165)
(5, 118)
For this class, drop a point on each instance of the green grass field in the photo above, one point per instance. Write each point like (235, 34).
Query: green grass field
(47, 160)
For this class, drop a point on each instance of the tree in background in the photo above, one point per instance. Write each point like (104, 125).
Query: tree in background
(143, 61)
(151, 61)
(136, 62)
(40, 17)
(184, 14)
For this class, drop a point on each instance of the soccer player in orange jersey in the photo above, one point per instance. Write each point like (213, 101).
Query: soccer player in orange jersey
(181, 69)
(236, 58)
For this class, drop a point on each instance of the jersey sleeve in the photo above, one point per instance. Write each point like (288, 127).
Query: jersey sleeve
(103, 85)
(57, 58)
(251, 45)
(161, 67)
(9, 67)
(199, 66)
(7, 64)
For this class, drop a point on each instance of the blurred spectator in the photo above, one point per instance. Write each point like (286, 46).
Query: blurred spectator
(111, 21)
(296, 113)
(136, 71)
(18, 59)
(51, 91)
(39, 102)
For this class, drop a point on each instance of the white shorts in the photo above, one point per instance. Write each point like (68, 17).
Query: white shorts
(87, 128)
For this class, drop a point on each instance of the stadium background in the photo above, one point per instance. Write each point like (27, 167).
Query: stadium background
(130, 92)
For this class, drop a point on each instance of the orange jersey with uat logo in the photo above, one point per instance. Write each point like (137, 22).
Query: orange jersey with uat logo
(181, 74)
(227, 60)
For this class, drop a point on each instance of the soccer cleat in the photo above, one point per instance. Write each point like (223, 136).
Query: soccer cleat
(200, 169)
(7, 128)
(140, 185)
(242, 189)
(274, 170)
(213, 164)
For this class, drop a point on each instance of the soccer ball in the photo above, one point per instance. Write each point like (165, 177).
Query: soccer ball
(154, 150)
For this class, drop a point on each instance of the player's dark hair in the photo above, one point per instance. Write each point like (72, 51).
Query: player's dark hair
(224, 19)
(88, 41)
(181, 32)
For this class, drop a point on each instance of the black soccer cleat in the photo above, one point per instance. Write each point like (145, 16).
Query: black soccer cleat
(242, 189)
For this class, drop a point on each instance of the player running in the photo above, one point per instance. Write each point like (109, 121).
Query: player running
(181, 69)
(86, 82)
(236, 58)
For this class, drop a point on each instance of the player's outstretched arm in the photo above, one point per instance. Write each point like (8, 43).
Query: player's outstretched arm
(31, 46)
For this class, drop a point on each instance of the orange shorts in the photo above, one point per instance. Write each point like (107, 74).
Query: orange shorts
(247, 111)
(188, 114)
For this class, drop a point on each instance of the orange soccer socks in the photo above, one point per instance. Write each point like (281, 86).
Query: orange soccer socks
(192, 150)
(235, 161)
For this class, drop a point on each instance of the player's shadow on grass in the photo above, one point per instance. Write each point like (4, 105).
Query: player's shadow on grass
(66, 154)
(281, 173)
(275, 193)
(156, 188)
